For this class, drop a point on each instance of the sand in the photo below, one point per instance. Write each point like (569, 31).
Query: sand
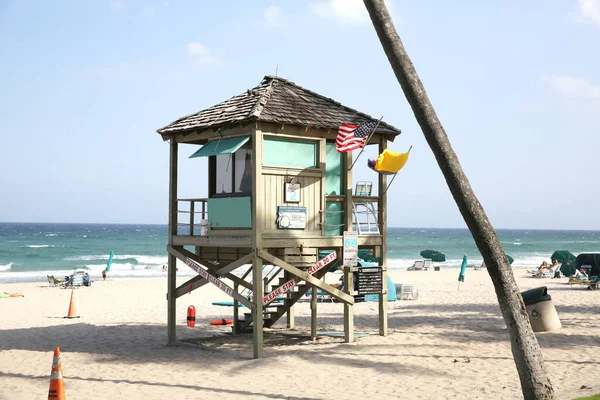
(444, 345)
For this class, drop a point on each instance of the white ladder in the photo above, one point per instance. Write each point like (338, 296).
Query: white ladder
(364, 212)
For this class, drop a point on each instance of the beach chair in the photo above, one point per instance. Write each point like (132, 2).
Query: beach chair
(75, 280)
(408, 291)
(417, 266)
(594, 282)
(427, 264)
(54, 281)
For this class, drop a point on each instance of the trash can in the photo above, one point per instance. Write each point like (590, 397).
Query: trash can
(541, 311)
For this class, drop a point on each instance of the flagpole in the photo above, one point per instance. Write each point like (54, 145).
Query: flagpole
(365, 143)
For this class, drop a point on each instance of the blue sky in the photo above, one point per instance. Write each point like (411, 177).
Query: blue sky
(85, 85)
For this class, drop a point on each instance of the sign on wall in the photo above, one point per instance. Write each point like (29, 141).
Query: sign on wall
(350, 249)
(369, 280)
(292, 193)
(290, 217)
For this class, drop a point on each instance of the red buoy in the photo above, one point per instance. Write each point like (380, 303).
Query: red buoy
(191, 316)
(222, 322)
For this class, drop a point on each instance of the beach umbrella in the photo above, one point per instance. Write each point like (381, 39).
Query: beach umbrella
(563, 257)
(434, 255)
(463, 270)
(109, 263)
(510, 259)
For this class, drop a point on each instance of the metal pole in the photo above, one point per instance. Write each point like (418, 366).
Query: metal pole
(366, 142)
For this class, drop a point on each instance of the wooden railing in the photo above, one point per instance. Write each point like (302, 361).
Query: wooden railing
(360, 216)
(192, 209)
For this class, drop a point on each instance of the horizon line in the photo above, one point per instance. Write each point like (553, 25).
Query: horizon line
(390, 227)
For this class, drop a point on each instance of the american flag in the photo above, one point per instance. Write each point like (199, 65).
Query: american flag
(352, 137)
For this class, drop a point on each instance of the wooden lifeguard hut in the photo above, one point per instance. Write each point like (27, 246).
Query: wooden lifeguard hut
(280, 195)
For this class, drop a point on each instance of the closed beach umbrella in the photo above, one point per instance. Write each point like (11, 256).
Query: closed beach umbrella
(434, 255)
(109, 263)
(563, 257)
(463, 270)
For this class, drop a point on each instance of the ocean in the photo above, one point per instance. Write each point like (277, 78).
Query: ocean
(29, 252)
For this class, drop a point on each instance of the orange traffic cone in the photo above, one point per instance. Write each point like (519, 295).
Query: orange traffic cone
(72, 306)
(57, 384)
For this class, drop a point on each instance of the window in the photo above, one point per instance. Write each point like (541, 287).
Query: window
(285, 152)
(232, 173)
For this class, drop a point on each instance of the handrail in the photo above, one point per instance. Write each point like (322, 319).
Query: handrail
(192, 212)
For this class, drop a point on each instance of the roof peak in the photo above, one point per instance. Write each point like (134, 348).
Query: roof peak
(278, 100)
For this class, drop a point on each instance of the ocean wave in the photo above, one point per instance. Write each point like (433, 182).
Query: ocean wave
(518, 244)
(38, 246)
(133, 258)
(6, 267)
(51, 234)
(127, 272)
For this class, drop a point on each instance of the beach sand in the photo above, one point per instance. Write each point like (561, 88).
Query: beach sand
(444, 345)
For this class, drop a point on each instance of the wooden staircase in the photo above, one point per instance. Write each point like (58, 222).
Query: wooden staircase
(273, 311)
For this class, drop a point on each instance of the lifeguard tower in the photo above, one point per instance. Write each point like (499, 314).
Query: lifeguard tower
(279, 195)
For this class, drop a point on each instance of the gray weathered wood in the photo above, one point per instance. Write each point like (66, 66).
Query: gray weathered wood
(182, 254)
(247, 259)
(348, 309)
(313, 313)
(196, 282)
(257, 223)
(302, 275)
(382, 221)
(172, 261)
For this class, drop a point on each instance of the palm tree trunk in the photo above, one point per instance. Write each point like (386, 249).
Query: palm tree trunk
(535, 383)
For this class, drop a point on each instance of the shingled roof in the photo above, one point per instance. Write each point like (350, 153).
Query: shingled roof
(279, 101)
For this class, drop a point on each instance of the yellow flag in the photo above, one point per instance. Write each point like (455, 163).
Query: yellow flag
(391, 162)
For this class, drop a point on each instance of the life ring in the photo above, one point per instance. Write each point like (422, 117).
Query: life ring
(221, 322)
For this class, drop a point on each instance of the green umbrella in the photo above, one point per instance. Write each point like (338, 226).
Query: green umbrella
(510, 259)
(563, 257)
(109, 263)
(434, 255)
(463, 270)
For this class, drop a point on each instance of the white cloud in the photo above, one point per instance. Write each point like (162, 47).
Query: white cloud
(573, 86)
(201, 54)
(590, 9)
(274, 17)
(346, 11)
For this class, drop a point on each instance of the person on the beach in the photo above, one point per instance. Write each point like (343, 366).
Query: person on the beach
(104, 274)
(580, 273)
(542, 269)
(4, 295)
(554, 265)
(164, 267)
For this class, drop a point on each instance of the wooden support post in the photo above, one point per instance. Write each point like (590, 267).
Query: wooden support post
(291, 322)
(172, 260)
(257, 313)
(258, 204)
(236, 311)
(348, 308)
(348, 193)
(313, 314)
(381, 219)
(192, 208)
(348, 281)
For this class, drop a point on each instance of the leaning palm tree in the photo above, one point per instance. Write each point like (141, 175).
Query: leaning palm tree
(525, 348)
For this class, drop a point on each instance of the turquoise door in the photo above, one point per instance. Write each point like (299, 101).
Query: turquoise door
(334, 186)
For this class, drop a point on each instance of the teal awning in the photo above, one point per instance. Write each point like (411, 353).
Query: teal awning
(221, 146)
